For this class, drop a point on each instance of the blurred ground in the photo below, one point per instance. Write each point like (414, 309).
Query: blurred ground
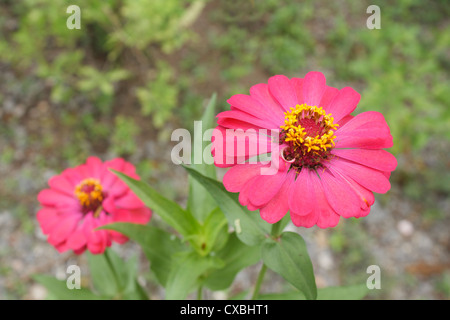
(52, 115)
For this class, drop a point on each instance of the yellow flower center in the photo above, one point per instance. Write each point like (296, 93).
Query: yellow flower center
(309, 134)
(90, 194)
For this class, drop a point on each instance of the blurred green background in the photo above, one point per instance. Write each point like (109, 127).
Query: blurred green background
(137, 69)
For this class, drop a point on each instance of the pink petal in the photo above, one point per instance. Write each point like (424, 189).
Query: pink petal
(366, 197)
(265, 187)
(326, 215)
(377, 159)
(80, 251)
(251, 207)
(129, 201)
(236, 177)
(108, 178)
(260, 93)
(282, 90)
(344, 120)
(246, 104)
(77, 240)
(230, 147)
(97, 240)
(139, 216)
(62, 247)
(73, 176)
(61, 184)
(47, 218)
(367, 130)
(118, 188)
(63, 229)
(313, 88)
(109, 204)
(94, 167)
(369, 178)
(301, 198)
(297, 84)
(50, 197)
(339, 194)
(235, 119)
(328, 219)
(130, 170)
(365, 120)
(329, 94)
(306, 221)
(278, 206)
(344, 103)
(244, 194)
(118, 237)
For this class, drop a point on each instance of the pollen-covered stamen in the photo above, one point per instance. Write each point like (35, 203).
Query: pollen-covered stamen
(91, 195)
(309, 134)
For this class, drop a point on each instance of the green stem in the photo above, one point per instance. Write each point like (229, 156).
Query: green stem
(200, 293)
(276, 230)
(113, 270)
(259, 281)
(275, 233)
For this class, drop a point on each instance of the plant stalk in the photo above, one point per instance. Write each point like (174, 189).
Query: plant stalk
(275, 233)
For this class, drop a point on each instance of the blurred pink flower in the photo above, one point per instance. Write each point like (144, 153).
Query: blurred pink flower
(83, 198)
(329, 162)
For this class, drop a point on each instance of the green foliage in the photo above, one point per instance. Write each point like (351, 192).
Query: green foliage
(159, 96)
(289, 257)
(124, 136)
(180, 219)
(112, 278)
(355, 292)
(249, 226)
(58, 289)
(236, 256)
(111, 31)
(200, 202)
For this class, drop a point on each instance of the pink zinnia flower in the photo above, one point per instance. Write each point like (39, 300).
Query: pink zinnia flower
(329, 162)
(83, 198)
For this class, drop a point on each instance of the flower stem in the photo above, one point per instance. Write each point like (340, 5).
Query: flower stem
(113, 270)
(259, 281)
(275, 232)
(200, 293)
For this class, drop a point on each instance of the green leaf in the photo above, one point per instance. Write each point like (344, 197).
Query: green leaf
(354, 292)
(249, 226)
(188, 267)
(214, 231)
(104, 279)
(200, 202)
(236, 257)
(284, 222)
(288, 256)
(58, 290)
(127, 273)
(159, 246)
(294, 295)
(178, 218)
(115, 278)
